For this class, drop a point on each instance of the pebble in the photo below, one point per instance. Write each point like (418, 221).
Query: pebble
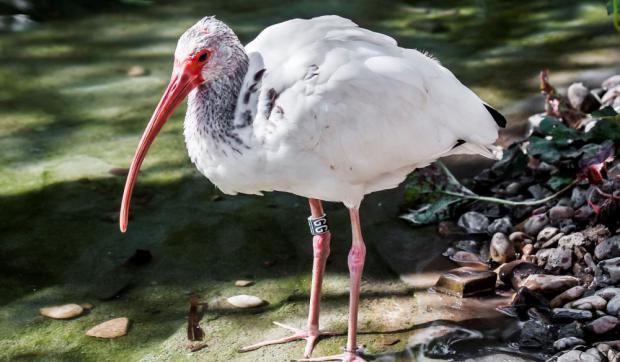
(245, 301)
(603, 324)
(568, 313)
(504, 272)
(543, 255)
(519, 237)
(464, 282)
(546, 233)
(596, 234)
(567, 342)
(535, 334)
(611, 82)
(608, 293)
(474, 222)
(136, 71)
(513, 188)
(501, 225)
(537, 191)
(65, 311)
(613, 306)
(243, 283)
(580, 98)
(110, 329)
(608, 271)
(572, 329)
(593, 302)
(465, 258)
(534, 224)
(468, 245)
(578, 197)
(608, 249)
(549, 284)
(567, 226)
(527, 249)
(559, 259)
(572, 240)
(449, 229)
(577, 356)
(567, 296)
(501, 250)
(584, 213)
(522, 271)
(553, 241)
(558, 213)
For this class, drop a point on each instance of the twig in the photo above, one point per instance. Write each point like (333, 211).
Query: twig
(454, 180)
(513, 203)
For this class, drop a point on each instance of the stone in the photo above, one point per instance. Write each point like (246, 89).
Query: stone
(603, 324)
(608, 272)
(567, 296)
(465, 258)
(608, 293)
(501, 225)
(543, 255)
(570, 314)
(559, 259)
(535, 223)
(572, 329)
(558, 213)
(577, 356)
(567, 342)
(243, 283)
(593, 302)
(468, 245)
(538, 191)
(549, 284)
(611, 82)
(113, 328)
(535, 334)
(613, 306)
(527, 249)
(522, 271)
(546, 233)
(584, 213)
(572, 240)
(524, 300)
(608, 249)
(513, 188)
(519, 237)
(449, 229)
(596, 234)
(552, 242)
(502, 250)
(474, 222)
(65, 311)
(580, 97)
(464, 282)
(504, 272)
(245, 301)
(578, 197)
(567, 226)
(136, 71)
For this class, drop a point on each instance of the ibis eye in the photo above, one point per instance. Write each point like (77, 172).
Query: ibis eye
(203, 57)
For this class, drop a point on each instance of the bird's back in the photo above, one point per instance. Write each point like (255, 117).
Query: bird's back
(349, 104)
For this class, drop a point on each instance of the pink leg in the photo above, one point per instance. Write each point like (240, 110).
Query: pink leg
(320, 245)
(357, 255)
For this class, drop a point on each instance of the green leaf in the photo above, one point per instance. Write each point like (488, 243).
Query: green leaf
(605, 129)
(433, 212)
(608, 111)
(561, 134)
(557, 182)
(513, 162)
(544, 149)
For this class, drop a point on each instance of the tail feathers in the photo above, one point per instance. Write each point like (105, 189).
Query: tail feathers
(468, 148)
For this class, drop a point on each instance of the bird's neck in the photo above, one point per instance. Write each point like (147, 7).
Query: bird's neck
(211, 107)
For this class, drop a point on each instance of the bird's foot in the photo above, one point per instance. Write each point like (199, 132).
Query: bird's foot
(343, 357)
(311, 337)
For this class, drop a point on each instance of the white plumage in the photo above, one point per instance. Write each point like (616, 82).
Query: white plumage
(354, 114)
(320, 108)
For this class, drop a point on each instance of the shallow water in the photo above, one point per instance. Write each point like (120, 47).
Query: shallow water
(70, 114)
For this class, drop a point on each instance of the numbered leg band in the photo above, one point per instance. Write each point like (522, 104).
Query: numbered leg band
(318, 225)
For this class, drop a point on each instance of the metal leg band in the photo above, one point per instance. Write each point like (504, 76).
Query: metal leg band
(318, 225)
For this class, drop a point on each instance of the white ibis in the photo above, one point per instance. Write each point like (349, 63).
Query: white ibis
(319, 108)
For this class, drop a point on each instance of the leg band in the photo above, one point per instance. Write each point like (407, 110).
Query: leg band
(318, 225)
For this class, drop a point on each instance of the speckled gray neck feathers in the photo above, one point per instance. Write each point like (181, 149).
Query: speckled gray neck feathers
(211, 107)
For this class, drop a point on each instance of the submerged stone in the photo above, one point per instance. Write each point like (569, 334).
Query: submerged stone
(465, 282)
